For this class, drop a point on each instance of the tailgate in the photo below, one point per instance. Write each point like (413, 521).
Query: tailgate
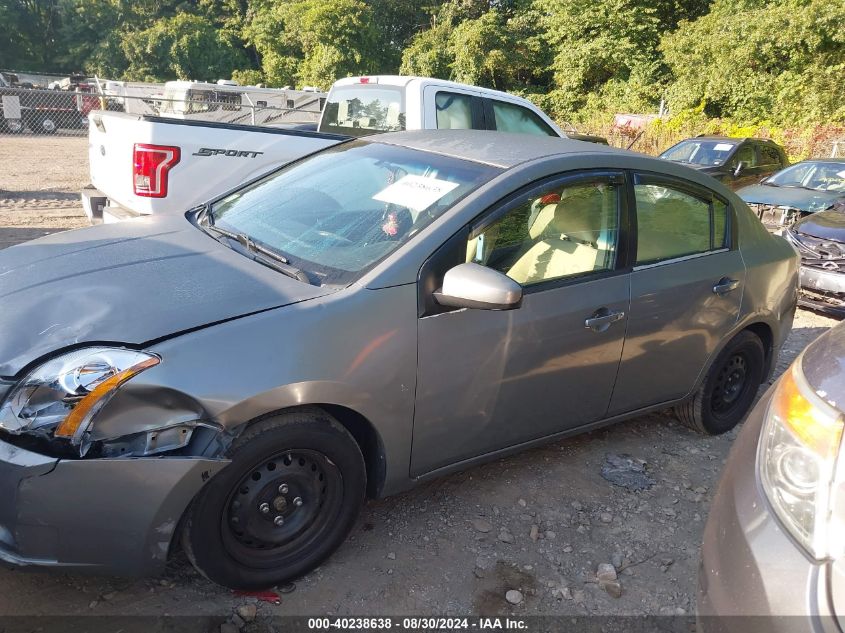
(214, 157)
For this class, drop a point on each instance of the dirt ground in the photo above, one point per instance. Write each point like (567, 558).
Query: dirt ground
(539, 522)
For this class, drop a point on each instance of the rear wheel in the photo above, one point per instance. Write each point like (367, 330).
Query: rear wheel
(729, 388)
(44, 124)
(288, 499)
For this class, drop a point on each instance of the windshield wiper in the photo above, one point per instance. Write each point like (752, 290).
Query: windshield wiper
(261, 254)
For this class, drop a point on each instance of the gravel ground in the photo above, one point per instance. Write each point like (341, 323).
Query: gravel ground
(540, 522)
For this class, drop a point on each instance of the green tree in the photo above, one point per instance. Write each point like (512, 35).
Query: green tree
(782, 60)
(187, 46)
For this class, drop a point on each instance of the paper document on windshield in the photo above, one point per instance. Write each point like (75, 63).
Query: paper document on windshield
(415, 192)
(723, 147)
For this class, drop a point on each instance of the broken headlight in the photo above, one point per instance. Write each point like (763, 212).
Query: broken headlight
(61, 398)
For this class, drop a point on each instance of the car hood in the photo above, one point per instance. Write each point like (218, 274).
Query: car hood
(826, 225)
(130, 282)
(802, 199)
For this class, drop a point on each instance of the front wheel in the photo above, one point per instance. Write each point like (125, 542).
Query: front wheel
(729, 388)
(288, 499)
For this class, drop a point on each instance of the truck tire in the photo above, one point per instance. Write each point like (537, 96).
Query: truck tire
(286, 501)
(729, 388)
(44, 124)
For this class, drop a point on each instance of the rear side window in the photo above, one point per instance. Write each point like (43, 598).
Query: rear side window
(514, 118)
(745, 154)
(454, 111)
(769, 155)
(364, 109)
(672, 223)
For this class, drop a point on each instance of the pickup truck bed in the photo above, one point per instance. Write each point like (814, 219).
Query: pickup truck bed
(204, 159)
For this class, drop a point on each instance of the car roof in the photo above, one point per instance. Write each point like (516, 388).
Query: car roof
(737, 139)
(822, 160)
(500, 149)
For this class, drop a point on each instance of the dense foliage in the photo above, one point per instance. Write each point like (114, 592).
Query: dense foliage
(775, 61)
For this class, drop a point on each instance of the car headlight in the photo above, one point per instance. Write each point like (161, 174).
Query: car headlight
(799, 449)
(61, 397)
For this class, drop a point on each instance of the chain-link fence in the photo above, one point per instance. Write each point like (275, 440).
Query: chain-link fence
(65, 112)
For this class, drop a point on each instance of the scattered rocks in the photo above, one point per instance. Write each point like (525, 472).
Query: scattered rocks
(506, 537)
(606, 572)
(626, 471)
(522, 503)
(606, 517)
(613, 588)
(514, 596)
(247, 612)
(482, 526)
(534, 533)
(391, 556)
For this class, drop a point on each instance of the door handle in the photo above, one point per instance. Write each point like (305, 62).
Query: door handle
(603, 319)
(725, 285)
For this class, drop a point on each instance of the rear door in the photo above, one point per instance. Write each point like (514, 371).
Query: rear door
(686, 290)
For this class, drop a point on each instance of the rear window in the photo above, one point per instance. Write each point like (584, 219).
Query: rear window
(364, 109)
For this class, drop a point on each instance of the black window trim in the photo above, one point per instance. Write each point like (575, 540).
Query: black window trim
(644, 177)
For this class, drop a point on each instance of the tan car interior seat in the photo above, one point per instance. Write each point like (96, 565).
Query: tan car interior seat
(568, 230)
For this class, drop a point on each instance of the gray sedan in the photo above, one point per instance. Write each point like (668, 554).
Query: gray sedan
(774, 545)
(239, 378)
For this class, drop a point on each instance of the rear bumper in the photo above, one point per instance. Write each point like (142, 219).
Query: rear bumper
(101, 210)
(112, 516)
(822, 290)
(753, 578)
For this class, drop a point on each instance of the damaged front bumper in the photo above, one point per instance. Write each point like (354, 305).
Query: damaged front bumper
(822, 274)
(822, 290)
(113, 516)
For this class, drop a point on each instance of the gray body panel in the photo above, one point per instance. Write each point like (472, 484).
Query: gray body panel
(239, 341)
(749, 564)
(128, 283)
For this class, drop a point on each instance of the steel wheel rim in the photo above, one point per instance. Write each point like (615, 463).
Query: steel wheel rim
(281, 506)
(730, 386)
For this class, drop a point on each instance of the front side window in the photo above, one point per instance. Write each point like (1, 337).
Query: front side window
(364, 109)
(454, 111)
(673, 223)
(555, 233)
(745, 154)
(335, 214)
(513, 118)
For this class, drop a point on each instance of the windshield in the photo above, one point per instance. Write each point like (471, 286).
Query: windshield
(335, 214)
(820, 176)
(700, 152)
(364, 109)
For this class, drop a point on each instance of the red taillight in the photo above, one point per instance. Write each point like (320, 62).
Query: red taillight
(151, 163)
(363, 80)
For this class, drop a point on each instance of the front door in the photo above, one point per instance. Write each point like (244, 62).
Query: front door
(686, 290)
(488, 380)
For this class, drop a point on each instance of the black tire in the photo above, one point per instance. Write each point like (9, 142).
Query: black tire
(729, 388)
(308, 470)
(44, 124)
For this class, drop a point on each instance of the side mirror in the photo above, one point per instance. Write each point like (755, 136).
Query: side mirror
(475, 286)
(740, 167)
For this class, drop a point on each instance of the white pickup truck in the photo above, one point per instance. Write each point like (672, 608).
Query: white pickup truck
(144, 164)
